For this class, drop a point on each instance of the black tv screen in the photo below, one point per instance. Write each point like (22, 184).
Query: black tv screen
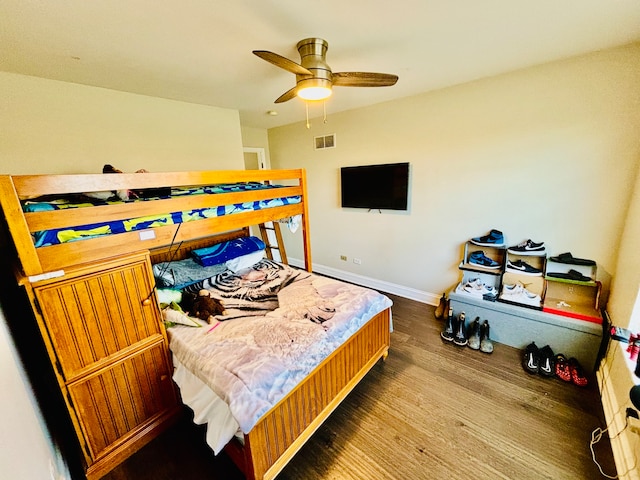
(375, 186)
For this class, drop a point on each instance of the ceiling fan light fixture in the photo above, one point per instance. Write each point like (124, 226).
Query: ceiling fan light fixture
(314, 88)
(314, 93)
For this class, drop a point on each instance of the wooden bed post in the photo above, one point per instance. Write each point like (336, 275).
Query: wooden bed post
(18, 228)
(306, 235)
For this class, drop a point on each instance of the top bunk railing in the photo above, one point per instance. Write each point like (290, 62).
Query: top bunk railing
(45, 259)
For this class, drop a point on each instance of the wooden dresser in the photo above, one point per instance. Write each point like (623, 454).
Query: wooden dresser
(104, 335)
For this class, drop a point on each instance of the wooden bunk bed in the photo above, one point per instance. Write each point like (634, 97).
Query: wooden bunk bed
(96, 306)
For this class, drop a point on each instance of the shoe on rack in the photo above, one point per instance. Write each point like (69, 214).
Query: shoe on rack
(571, 275)
(578, 376)
(518, 266)
(547, 363)
(516, 293)
(528, 247)
(570, 259)
(492, 239)
(478, 289)
(486, 345)
(441, 308)
(531, 358)
(473, 335)
(563, 371)
(460, 338)
(448, 333)
(479, 258)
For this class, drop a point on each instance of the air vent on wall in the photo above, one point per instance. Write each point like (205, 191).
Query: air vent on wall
(326, 141)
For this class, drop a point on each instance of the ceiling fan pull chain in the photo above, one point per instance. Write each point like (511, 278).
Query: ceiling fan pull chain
(324, 111)
(306, 106)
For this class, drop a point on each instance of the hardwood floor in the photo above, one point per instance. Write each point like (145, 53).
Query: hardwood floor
(432, 410)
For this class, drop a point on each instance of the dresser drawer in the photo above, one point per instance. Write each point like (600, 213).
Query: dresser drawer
(94, 316)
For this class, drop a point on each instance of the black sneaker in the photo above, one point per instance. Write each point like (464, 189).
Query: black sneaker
(492, 239)
(531, 358)
(528, 247)
(523, 267)
(447, 334)
(460, 339)
(473, 335)
(480, 259)
(547, 362)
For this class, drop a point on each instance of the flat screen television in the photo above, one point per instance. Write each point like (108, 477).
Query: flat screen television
(375, 186)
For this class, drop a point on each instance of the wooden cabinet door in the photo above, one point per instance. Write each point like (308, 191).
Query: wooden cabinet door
(98, 315)
(116, 404)
(106, 336)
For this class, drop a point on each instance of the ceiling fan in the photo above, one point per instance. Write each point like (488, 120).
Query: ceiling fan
(314, 78)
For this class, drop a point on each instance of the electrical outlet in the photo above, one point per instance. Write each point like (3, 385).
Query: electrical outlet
(357, 261)
(343, 258)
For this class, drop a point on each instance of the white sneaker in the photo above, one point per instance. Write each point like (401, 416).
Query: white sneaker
(478, 289)
(518, 294)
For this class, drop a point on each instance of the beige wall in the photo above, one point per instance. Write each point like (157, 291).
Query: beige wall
(25, 452)
(47, 126)
(548, 153)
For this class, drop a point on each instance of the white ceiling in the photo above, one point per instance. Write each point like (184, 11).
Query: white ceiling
(199, 51)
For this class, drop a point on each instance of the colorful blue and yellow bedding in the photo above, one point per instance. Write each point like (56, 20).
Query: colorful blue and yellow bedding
(80, 232)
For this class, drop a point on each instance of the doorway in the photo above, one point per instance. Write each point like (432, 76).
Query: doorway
(254, 158)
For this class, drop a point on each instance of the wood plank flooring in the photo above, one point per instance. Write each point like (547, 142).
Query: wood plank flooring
(432, 410)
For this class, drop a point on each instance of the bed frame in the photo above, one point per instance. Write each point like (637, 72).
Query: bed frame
(51, 258)
(282, 431)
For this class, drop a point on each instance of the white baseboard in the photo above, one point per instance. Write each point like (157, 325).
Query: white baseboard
(380, 285)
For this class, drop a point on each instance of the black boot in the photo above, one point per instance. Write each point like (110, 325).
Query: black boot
(474, 334)
(448, 332)
(486, 345)
(460, 337)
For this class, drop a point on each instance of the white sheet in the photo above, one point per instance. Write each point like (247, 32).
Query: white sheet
(208, 408)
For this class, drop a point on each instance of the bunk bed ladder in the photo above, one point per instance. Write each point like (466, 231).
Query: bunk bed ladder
(273, 241)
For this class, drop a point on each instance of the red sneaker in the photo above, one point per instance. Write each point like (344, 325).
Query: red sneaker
(563, 372)
(577, 373)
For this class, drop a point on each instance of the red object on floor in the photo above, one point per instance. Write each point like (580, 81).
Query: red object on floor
(577, 374)
(563, 372)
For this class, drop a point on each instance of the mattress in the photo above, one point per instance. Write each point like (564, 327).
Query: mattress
(81, 232)
(280, 324)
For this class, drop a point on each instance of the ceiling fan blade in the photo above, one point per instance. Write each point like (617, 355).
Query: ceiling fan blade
(286, 96)
(282, 62)
(363, 79)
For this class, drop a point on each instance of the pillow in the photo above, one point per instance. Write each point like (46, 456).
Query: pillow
(225, 251)
(245, 261)
(167, 296)
(182, 273)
